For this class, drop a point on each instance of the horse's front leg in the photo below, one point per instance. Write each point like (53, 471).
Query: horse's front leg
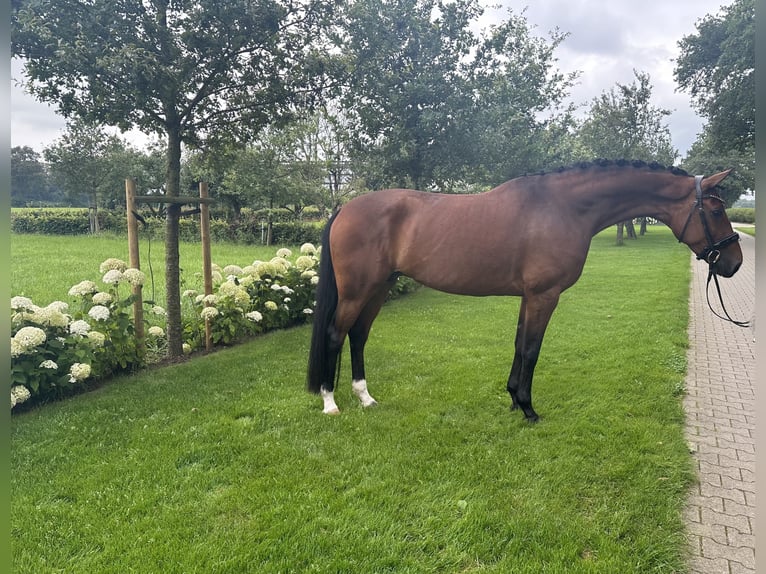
(534, 315)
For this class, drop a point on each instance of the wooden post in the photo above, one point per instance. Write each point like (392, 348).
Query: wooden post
(207, 265)
(138, 304)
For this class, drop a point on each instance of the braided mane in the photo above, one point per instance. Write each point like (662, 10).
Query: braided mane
(605, 163)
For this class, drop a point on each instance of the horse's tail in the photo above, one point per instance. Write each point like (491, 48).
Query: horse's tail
(322, 360)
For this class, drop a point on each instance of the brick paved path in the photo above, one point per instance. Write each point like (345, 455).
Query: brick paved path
(720, 421)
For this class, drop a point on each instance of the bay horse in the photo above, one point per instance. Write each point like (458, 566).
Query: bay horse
(528, 237)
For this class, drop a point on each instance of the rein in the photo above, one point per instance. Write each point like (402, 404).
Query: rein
(712, 252)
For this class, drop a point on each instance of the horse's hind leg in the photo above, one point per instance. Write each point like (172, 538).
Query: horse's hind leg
(534, 315)
(358, 338)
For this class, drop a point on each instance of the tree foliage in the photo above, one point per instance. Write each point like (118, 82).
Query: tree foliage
(622, 123)
(30, 181)
(717, 68)
(86, 162)
(431, 102)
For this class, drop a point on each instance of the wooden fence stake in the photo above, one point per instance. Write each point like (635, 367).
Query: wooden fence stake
(138, 303)
(207, 265)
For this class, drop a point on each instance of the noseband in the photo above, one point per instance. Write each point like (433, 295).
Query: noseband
(712, 252)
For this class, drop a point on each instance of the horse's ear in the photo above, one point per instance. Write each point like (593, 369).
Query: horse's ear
(714, 180)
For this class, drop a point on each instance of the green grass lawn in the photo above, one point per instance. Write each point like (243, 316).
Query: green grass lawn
(45, 267)
(746, 229)
(225, 464)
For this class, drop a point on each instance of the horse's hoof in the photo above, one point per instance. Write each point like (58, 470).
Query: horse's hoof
(532, 419)
(372, 403)
(335, 411)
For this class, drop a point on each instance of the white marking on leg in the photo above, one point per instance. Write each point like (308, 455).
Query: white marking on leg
(330, 408)
(360, 389)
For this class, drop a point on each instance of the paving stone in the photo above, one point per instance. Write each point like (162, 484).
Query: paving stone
(720, 416)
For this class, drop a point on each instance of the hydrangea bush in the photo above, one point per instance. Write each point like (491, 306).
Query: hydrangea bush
(64, 346)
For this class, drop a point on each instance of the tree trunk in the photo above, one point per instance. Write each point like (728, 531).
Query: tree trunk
(93, 214)
(631, 229)
(172, 267)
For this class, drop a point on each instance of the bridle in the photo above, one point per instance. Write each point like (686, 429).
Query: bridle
(712, 252)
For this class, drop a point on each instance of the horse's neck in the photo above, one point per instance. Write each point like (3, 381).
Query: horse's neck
(607, 200)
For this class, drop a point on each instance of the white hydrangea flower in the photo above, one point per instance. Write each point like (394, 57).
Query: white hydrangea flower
(308, 249)
(99, 313)
(112, 264)
(228, 289)
(235, 270)
(250, 271)
(79, 372)
(20, 303)
(270, 305)
(59, 306)
(30, 337)
(48, 364)
(254, 316)
(211, 299)
(112, 277)
(284, 253)
(79, 327)
(276, 287)
(308, 311)
(133, 276)
(304, 262)
(20, 393)
(186, 347)
(315, 280)
(190, 293)
(17, 349)
(156, 331)
(286, 290)
(157, 310)
(83, 288)
(102, 298)
(281, 262)
(266, 268)
(308, 274)
(209, 313)
(96, 338)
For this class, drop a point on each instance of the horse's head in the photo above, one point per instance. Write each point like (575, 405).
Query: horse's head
(707, 230)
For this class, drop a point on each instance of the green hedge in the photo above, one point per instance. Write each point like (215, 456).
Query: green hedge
(741, 214)
(248, 230)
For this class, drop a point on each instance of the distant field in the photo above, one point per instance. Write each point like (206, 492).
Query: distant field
(44, 267)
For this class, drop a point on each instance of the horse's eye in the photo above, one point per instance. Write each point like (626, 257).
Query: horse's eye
(717, 212)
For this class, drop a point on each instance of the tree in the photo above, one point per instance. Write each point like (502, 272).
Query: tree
(703, 158)
(518, 126)
(404, 85)
(84, 162)
(432, 104)
(193, 72)
(717, 67)
(29, 179)
(623, 124)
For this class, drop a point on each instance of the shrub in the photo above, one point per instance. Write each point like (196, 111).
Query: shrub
(741, 214)
(63, 347)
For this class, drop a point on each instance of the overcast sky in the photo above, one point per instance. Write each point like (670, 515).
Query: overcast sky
(607, 41)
